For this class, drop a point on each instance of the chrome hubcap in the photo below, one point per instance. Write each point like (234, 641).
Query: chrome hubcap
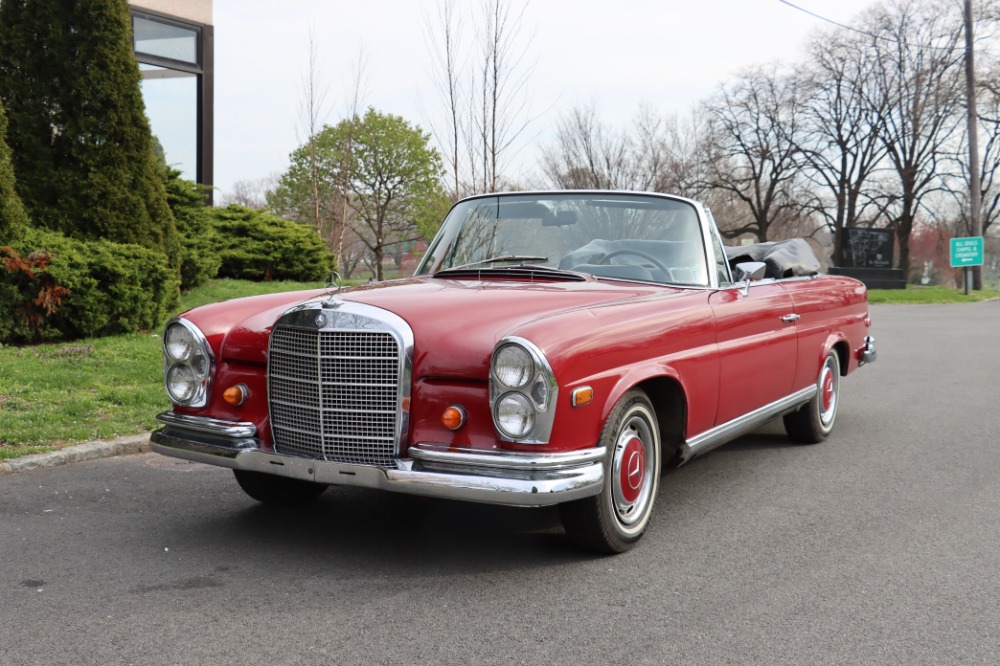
(631, 471)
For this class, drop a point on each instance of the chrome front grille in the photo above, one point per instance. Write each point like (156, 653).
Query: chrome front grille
(335, 393)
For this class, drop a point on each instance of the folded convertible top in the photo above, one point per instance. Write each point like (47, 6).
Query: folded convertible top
(787, 258)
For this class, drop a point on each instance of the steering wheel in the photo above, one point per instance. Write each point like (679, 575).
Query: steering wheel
(639, 253)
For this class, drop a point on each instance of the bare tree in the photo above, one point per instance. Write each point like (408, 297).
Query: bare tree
(250, 193)
(988, 119)
(311, 113)
(840, 143)
(447, 34)
(488, 113)
(345, 169)
(588, 154)
(753, 151)
(918, 67)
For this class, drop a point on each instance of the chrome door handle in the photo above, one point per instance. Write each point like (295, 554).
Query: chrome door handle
(789, 318)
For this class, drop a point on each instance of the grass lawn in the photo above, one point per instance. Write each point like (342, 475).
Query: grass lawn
(936, 294)
(54, 395)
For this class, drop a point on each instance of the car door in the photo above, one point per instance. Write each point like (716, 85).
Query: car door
(758, 347)
(827, 306)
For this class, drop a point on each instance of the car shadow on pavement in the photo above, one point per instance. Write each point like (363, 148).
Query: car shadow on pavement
(425, 535)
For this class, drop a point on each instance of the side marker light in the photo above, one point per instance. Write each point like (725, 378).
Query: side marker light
(582, 396)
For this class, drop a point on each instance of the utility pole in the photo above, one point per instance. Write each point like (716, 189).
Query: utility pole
(972, 112)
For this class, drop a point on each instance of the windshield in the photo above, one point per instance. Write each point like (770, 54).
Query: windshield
(619, 236)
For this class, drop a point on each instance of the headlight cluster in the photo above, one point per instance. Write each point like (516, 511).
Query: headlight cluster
(522, 392)
(187, 364)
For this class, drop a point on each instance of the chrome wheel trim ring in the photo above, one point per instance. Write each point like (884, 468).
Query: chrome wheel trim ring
(829, 388)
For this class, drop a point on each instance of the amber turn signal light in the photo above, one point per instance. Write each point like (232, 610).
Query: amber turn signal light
(236, 395)
(453, 418)
(582, 396)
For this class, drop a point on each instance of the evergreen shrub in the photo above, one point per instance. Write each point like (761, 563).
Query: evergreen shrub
(200, 260)
(60, 287)
(13, 219)
(254, 245)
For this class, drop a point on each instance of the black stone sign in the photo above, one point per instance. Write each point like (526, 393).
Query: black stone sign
(868, 248)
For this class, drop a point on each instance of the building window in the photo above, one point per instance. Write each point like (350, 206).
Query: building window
(172, 108)
(175, 59)
(163, 40)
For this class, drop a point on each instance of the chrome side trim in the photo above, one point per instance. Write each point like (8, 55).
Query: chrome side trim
(726, 432)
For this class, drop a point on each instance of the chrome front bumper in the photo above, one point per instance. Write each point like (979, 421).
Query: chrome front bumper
(506, 477)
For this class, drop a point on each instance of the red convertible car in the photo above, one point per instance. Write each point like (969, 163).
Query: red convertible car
(553, 348)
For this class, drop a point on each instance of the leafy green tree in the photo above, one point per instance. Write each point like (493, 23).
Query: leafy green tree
(382, 173)
(13, 219)
(81, 143)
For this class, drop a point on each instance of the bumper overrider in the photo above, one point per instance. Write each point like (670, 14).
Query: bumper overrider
(506, 477)
(868, 353)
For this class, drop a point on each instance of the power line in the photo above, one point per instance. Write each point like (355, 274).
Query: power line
(863, 32)
(823, 18)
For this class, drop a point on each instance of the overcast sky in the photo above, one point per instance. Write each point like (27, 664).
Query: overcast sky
(667, 54)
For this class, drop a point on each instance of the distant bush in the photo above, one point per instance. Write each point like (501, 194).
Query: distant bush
(254, 245)
(59, 287)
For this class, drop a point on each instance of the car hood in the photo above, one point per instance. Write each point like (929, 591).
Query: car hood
(455, 323)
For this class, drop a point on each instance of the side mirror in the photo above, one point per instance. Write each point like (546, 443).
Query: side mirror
(748, 272)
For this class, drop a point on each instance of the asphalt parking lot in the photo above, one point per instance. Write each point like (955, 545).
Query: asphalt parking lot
(879, 546)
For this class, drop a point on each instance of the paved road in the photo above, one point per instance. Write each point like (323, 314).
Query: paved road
(880, 546)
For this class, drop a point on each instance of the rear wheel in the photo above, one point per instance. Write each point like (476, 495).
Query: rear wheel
(812, 422)
(613, 521)
(277, 490)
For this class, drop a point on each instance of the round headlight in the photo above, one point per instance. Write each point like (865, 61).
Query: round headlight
(179, 342)
(512, 366)
(514, 415)
(181, 383)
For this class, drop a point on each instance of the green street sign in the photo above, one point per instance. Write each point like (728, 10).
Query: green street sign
(966, 251)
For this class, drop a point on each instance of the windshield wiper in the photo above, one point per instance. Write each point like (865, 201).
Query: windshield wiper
(495, 260)
(530, 272)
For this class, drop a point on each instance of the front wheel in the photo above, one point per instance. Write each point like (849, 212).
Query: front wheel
(812, 422)
(613, 521)
(277, 490)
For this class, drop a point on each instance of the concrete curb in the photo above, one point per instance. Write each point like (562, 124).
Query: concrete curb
(86, 451)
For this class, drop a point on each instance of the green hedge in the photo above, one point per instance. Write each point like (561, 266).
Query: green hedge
(59, 287)
(254, 245)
